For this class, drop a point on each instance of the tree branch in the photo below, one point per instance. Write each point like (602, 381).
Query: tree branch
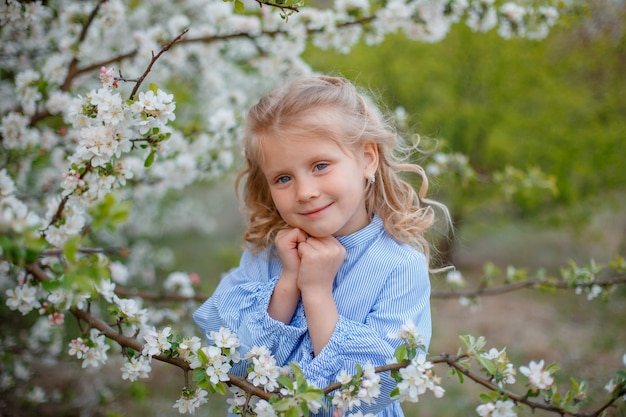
(164, 49)
(529, 283)
(71, 71)
(452, 361)
(122, 340)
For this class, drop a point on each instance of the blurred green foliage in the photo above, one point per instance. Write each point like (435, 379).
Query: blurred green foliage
(557, 104)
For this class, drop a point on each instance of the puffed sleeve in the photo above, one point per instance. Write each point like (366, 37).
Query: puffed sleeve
(240, 303)
(405, 295)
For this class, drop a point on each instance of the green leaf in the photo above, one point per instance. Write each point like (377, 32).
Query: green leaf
(284, 381)
(458, 373)
(486, 398)
(70, 248)
(204, 359)
(552, 368)
(487, 364)
(220, 388)
(198, 374)
(154, 88)
(297, 372)
(150, 159)
(313, 395)
(50, 285)
(400, 353)
(239, 6)
(293, 412)
(283, 404)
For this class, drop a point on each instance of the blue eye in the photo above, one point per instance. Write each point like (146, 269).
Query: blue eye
(282, 180)
(321, 166)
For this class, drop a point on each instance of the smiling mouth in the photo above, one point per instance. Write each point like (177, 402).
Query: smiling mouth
(316, 211)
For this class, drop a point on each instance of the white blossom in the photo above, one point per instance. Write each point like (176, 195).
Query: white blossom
(22, 298)
(538, 378)
(189, 347)
(137, 367)
(264, 409)
(224, 338)
(96, 354)
(189, 402)
(264, 372)
(157, 342)
(498, 409)
(180, 283)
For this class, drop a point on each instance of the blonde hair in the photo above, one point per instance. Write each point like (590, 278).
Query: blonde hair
(294, 109)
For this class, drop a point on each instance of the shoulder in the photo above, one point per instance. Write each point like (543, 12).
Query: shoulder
(396, 252)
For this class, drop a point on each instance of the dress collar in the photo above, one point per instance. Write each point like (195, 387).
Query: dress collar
(364, 235)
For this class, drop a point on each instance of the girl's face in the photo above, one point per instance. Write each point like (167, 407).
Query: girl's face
(316, 185)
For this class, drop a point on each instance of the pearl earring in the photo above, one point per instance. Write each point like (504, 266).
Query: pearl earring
(372, 178)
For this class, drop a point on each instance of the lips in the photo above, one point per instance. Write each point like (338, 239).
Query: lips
(316, 211)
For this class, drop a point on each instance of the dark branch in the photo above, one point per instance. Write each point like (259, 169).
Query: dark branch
(529, 283)
(164, 49)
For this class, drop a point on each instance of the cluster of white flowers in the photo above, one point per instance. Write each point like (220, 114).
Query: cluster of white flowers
(263, 370)
(218, 364)
(181, 283)
(217, 360)
(190, 401)
(409, 334)
(23, 298)
(93, 350)
(417, 378)
(189, 347)
(505, 369)
(350, 395)
(157, 342)
(131, 313)
(136, 367)
(498, 409)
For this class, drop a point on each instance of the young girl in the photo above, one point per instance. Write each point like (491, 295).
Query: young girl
(336, 260)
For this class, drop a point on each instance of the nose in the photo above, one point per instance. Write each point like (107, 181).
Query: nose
(307, 189)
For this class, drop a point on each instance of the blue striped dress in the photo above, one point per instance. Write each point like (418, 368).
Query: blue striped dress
(379, 287)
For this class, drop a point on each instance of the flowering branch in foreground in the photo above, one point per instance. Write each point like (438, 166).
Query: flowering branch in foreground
(283, 389)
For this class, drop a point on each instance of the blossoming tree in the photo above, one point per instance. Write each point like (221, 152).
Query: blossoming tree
(92, 141)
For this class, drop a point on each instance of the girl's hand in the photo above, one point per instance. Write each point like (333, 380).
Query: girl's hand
(287, 242)
(286, 294)
(320, 259)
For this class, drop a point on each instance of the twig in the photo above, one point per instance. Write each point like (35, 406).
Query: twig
(90, 251)
(152, 296)
(529, 283)
(131, 342)
(71, 71)
(164, 49)
(59, 212)
(453, 362)
(120, 338)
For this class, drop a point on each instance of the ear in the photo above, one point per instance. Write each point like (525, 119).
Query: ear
(370, 159)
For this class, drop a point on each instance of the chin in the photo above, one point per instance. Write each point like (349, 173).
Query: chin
(318, 233)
